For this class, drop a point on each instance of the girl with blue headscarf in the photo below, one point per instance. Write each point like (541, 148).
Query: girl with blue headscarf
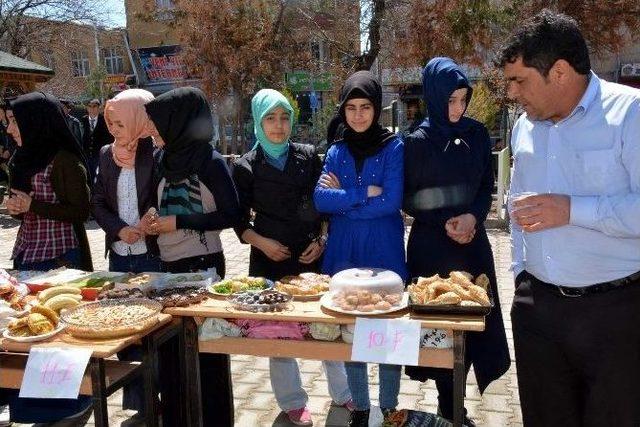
(276, 180)
(447, 190)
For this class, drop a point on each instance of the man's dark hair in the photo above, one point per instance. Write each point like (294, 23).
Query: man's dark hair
(543, 40)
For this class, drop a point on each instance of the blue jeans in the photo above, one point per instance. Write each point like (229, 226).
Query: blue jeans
(358, 379)
(133, 393)
(69, 259)
(144, 263)
(287, 386)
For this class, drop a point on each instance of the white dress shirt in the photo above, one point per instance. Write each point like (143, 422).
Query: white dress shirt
(128, 212)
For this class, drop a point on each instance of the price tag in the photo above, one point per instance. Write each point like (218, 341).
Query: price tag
(393, 341)
(54, 373)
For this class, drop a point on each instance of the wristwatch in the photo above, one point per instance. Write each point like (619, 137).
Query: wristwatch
(322, 239)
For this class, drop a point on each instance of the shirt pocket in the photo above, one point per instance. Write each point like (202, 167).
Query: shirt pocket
(600, 172)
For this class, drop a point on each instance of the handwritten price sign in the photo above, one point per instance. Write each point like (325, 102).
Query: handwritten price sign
(54, 373)
(393, 341)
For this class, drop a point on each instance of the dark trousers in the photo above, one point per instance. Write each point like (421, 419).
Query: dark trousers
(578, 358)
(215, 369)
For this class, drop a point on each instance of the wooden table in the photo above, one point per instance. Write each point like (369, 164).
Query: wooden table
(103, 377)
(452, 358)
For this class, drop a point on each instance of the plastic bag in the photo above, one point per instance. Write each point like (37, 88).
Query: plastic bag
(213, 329)
(272, 330)
(324, 331)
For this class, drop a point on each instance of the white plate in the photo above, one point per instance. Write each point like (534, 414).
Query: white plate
(327, 302)
(35, 337)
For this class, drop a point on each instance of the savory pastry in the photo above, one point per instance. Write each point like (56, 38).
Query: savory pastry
(483, 281)
(422, 281)
(479, 295)
(39, 324)
(19, 327)
(46, 312)
(461, 278)
(446, 298)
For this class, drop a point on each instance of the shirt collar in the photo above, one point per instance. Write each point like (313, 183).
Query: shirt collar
(588, 97)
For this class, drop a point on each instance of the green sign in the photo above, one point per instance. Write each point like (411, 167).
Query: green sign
(301, 81)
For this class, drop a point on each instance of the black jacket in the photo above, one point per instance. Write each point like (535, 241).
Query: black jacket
(76, 128)
(283, 205)
(94, 141)
(104, 201)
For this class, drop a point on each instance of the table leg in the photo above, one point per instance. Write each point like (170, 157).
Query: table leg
(149, 363)
(459, 382)
(170, 390)
(190, 366)
(99, 388)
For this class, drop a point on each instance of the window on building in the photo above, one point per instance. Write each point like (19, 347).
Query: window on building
(165, 4)
(113, 60)
(80, 64)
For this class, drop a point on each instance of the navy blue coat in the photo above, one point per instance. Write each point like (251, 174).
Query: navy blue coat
(448, 172)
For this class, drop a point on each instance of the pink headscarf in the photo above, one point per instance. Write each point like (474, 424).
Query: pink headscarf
(127, 108)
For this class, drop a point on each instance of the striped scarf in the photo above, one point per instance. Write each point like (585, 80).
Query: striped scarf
(183, 198)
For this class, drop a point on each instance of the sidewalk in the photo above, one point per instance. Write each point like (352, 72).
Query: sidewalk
(255, 405)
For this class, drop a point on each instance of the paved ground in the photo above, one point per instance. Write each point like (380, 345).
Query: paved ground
(255, 405)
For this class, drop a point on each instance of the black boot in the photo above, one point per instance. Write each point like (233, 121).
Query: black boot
(359, 419)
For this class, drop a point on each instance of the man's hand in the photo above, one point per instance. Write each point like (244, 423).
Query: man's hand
(274, 250)
(461, 228)
(130, 235)
(542, 211)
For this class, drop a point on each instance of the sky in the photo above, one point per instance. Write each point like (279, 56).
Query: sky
(117, 17)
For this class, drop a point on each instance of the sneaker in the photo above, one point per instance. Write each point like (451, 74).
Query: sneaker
(466, 421)
(300, 417)
(359, 419)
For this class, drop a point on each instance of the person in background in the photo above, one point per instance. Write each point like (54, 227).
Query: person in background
(576, 241)
(95, 136)
(276, 180)
(74, 124)
(197, 199)
(361, 189)
(447, 190)
(50, 195)
(124, 191)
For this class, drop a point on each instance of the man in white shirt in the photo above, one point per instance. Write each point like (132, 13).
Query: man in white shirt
(576, 242)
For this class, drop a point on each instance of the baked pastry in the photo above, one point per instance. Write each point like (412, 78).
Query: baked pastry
(39, 324)
(483, 281)
(46, 312)
(435, 290)
(446, 298)
(19, 327)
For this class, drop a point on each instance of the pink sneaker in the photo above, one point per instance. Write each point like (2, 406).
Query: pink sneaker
(300, 417)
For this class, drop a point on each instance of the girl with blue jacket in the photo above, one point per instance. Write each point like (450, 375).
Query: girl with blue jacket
(361, 187)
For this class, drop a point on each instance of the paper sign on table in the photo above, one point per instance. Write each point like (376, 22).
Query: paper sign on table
(54, 373)
(393, 341)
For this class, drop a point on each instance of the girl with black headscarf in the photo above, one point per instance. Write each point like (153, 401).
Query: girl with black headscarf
(361, 188)
(197, 199)
(50, 194)
(49, 187)
(448, 186)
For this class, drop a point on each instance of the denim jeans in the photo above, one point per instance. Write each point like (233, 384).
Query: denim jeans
(144, 263)
(358, 379)
(69, 259)
(287, 386)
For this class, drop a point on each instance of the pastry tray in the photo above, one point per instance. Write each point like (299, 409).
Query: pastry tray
(454, 309)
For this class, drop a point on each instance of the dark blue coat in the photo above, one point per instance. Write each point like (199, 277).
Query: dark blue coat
(364, 232)
(448, 172)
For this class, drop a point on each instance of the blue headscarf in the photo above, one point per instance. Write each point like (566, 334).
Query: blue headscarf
(440, 78)
(262, 104)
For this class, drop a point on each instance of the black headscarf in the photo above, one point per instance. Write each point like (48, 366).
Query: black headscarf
(363, 84)
(44, 131)
(183, 119)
